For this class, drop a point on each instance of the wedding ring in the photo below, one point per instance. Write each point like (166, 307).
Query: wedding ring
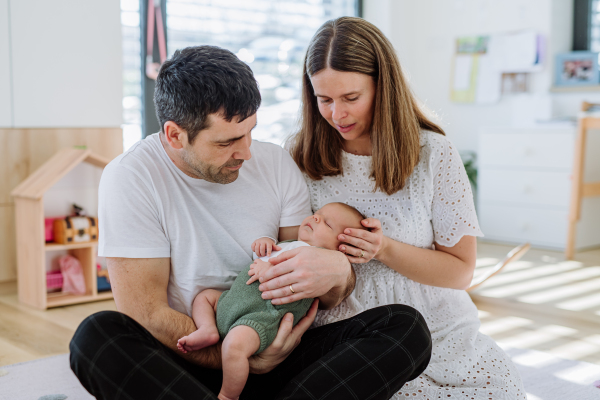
(292, 289)
(362, 254)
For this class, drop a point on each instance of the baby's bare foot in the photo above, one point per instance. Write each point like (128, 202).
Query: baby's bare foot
(205, 336)
(221, 396)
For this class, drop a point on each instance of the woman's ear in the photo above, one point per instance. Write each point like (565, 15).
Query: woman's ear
(175, 135)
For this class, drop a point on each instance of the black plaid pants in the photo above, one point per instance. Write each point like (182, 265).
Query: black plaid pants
(368, 356)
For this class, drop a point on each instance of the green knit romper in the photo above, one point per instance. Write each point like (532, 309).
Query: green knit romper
(242, 305)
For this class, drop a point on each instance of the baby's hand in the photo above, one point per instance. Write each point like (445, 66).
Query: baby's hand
(263, 246)
(257, 270)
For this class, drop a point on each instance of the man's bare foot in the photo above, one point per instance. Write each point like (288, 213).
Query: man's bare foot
(205, 336)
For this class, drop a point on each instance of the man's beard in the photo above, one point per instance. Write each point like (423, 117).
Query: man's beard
(210, 173)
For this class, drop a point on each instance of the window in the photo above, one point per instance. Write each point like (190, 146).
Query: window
(594, 21)
(270, 35)
(132, 74)
(586, 25)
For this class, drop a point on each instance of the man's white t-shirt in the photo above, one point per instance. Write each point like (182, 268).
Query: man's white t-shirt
(149, 208)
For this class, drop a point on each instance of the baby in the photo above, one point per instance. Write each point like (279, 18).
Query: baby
(246, 322)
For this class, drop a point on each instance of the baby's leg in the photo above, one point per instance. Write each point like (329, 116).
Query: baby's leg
(240, 343)
(204, 309)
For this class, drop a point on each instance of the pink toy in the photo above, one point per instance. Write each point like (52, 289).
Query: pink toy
(72, 273)
(49, 228)
(54, 280)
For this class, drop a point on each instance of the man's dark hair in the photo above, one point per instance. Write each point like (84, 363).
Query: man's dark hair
(202, 80)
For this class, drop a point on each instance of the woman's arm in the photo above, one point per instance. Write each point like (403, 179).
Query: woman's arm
(313, 273)
(450, 267)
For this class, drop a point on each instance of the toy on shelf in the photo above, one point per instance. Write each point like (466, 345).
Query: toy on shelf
(54, 281)
(103, 279)
(76, 229)
(49, 228)
(73, 280)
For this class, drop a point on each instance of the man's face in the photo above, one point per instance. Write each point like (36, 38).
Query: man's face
(219, 151)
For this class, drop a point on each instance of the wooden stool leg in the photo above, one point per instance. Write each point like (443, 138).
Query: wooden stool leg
(570, 248)
(576, 188)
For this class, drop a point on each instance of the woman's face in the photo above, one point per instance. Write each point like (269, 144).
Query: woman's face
(346, 101)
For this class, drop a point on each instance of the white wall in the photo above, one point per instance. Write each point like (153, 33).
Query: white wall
(424, 33)
(79, 186)
(66, 63)
(5, 92)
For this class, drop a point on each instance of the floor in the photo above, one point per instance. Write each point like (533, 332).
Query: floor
(541, 302)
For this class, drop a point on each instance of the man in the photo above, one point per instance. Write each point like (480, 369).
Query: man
(177, 215)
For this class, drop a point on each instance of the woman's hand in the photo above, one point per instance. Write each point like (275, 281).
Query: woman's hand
(307, 272)
(363, 245)
(288, 337)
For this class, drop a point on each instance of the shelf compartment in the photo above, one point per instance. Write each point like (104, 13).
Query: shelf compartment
(63, 299)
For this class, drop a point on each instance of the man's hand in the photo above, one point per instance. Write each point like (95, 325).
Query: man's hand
(312, 272)
(257, 269)
(288, 337)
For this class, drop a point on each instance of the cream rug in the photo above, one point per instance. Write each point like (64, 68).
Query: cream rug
(546, 377)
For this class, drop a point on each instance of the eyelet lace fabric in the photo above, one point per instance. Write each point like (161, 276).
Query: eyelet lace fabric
(436, 205)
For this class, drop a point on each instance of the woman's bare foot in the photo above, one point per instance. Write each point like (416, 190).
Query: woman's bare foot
(205, 336)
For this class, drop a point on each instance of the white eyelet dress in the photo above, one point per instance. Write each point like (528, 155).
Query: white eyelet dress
(436, 204)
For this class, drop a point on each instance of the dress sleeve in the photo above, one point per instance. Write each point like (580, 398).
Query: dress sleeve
(453, 208)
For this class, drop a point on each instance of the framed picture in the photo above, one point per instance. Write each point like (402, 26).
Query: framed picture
(577, 68)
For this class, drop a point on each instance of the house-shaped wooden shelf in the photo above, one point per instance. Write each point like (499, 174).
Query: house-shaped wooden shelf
(30, 234)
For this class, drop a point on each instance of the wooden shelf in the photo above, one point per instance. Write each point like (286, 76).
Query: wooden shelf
(58, 246)
(62, 299)
(32, 249)
(573, 89)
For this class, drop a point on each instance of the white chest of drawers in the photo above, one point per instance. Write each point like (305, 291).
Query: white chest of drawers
(524, 187)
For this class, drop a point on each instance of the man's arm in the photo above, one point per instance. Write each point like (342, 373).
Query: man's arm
(139, 286)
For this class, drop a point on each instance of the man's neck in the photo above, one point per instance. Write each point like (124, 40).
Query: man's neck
(179, 163)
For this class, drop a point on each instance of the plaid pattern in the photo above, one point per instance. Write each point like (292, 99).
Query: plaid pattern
(369, 356)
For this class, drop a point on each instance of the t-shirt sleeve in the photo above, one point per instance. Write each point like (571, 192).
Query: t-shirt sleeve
(295, 203)
(453, 208)
(128, 217)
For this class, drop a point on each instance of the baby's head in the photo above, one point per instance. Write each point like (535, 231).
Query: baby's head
(323, 228)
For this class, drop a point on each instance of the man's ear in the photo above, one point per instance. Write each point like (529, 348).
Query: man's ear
(175, 135)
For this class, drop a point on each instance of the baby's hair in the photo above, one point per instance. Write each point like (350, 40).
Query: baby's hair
(352, 209)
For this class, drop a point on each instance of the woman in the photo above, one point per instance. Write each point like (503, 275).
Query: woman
(364, 141)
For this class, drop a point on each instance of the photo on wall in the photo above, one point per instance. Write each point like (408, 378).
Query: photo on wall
(577, 68)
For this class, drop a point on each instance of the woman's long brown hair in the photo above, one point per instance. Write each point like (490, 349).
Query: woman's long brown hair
(354, 45)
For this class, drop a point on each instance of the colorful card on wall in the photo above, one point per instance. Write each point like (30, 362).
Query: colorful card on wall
(480, 61)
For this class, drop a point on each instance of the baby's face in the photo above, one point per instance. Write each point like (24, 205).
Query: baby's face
(323, 228)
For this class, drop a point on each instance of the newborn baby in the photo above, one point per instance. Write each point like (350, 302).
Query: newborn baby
(246, 322)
